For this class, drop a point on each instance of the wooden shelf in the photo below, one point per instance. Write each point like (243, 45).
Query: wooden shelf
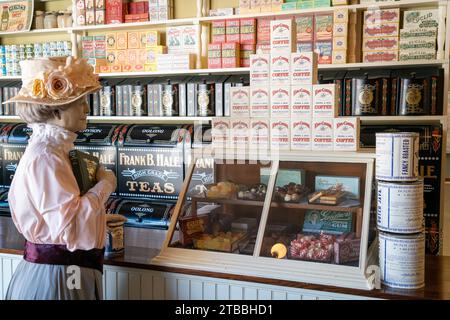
(10, 119)
(8, 78)
(235, 71)
(195, 20)
(160, 74)
(123, 119)
(382, 65)
(286, 205)
(136, 25)
(364, 120)
(377, 5)
(404, 120)
(37, 32)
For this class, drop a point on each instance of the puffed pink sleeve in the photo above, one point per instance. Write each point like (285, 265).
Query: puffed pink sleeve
(74, 220)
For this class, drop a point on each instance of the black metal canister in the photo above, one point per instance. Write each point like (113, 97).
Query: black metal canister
(365, 97)
(138, 100)
(413, 96)
(106, 100)
(205, 99)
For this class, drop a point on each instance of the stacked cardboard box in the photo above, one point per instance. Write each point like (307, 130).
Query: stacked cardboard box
(161, 10)
(300, 115)
(115, 11)
(183, 40)
(284, 108)
(256, 6)
(340, 35)
(323, 37)
(232, 43)
(137, 12)
(304, 4)
(90, 12)
(380, 37)
(315, 32)
(418, 36)
(133, 51)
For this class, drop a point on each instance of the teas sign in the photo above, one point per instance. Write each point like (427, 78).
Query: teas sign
(16, 15)
(150, 172)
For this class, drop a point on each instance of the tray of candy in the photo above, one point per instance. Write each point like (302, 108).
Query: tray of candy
(312, 248)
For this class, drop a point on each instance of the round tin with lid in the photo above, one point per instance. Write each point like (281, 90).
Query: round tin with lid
(397, 156)
(402, 260)
(400, 207)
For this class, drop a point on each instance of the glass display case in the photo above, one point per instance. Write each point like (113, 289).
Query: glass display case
(294, 216)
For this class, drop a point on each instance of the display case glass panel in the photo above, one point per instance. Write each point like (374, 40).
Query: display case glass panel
(297, 216)
(223, 207)
(316, 215)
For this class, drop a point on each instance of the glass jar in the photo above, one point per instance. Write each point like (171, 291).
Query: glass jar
(60, 19)
(68, 21)
(39, 20)
(50, 20)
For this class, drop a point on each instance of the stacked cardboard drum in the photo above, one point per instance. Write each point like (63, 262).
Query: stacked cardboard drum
(400, 211)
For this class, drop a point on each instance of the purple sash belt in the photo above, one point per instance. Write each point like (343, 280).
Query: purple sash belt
(59, 255)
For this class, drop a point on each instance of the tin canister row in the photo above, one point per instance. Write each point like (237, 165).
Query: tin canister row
(400, 204)
(56, 45)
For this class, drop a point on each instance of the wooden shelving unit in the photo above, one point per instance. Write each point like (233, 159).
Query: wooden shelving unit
(200, 20)
(235, 71)
(287, 205)
(356, 210)
(176, 119)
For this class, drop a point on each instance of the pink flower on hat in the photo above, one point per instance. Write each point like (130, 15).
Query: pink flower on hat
(58, 85)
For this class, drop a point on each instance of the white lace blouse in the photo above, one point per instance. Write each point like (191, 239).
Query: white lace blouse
(45, 200)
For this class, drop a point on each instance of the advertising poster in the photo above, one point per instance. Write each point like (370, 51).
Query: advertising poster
(15, 15)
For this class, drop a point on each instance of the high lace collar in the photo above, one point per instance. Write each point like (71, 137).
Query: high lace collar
(53, 134)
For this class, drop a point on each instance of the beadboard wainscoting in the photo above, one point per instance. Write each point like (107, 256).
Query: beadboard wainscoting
(121, 283)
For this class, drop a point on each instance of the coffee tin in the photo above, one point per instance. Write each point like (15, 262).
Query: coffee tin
(400, 207)
(402, 260)
(366, 96)
(397, 156)
(414, 97)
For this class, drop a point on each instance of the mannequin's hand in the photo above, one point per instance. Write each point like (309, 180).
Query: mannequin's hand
(108, 175)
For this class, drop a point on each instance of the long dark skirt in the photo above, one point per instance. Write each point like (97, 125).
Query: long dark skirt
(33, 281)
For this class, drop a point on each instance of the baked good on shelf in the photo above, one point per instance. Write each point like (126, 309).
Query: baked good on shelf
(224, 241)
(333, 195)
(222, 190)
(256, 192)
(291, 192)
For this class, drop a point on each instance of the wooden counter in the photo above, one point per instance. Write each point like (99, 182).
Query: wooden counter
(437, 271)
